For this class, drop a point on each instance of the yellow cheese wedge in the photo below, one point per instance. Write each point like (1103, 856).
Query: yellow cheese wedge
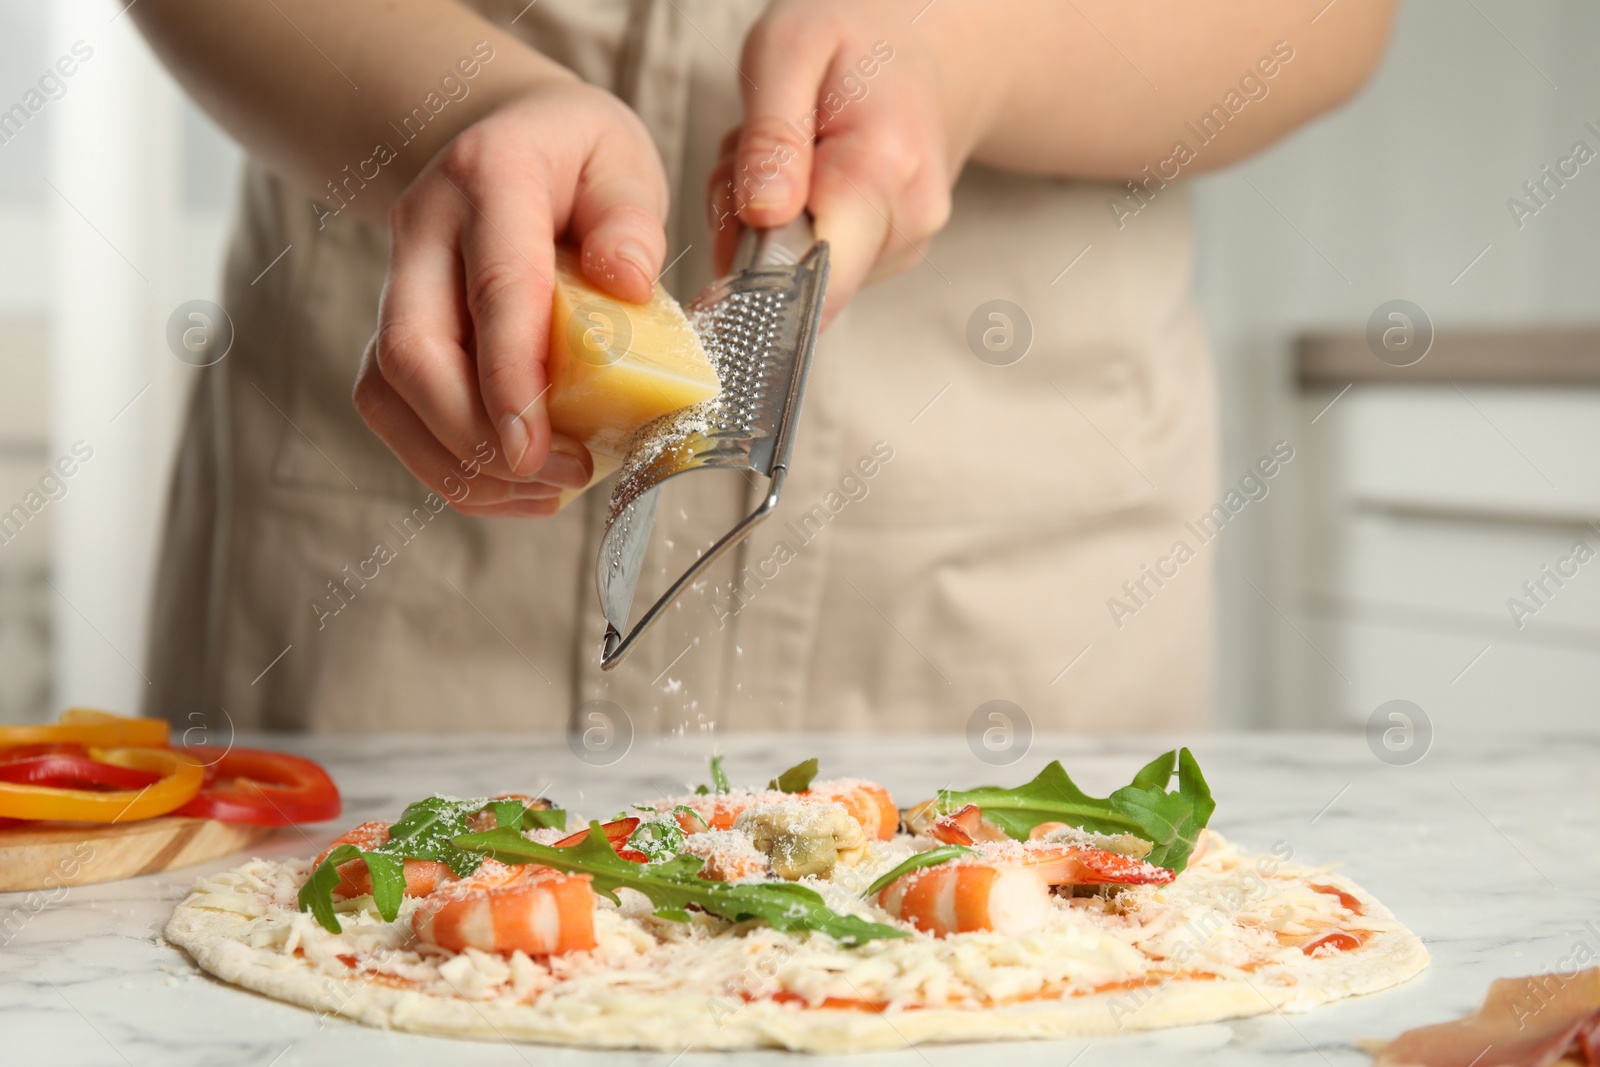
(615, 366)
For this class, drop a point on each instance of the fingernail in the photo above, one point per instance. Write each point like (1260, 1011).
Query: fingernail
(635, 256)
(565, 465)
(514, 439)
(772, 195)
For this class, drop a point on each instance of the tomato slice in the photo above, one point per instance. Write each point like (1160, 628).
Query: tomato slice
(68, 770)
(262, 788)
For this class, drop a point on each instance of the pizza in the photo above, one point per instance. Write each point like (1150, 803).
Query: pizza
(811, 915)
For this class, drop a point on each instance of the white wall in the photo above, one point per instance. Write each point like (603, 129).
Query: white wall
(1401, 191)
(113, 210)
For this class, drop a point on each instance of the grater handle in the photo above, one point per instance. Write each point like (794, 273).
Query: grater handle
(782, 246)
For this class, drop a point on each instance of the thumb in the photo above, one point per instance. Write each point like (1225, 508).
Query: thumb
(617, 221)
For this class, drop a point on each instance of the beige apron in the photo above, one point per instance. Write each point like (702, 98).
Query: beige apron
(951, 533)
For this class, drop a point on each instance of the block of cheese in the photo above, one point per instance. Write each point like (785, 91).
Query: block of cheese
(615, 366)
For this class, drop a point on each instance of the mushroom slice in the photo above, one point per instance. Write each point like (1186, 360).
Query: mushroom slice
(801, 838)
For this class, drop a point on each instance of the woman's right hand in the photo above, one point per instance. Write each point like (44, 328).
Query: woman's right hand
(454, 379)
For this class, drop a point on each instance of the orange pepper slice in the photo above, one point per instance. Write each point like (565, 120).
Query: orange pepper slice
(94, 729)
(181, 778)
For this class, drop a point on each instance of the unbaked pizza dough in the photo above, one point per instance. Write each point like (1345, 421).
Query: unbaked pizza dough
(1228, 938)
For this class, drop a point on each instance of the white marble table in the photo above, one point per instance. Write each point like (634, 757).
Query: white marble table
(1488, 847)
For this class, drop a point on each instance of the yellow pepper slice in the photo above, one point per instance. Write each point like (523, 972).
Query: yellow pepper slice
(90, 728)
(182, 776)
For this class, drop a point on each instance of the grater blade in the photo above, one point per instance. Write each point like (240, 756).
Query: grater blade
(759, 326)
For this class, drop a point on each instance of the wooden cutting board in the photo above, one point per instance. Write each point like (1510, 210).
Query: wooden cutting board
(53, 854)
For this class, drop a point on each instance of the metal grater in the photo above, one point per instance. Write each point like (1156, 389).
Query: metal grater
(759, 326)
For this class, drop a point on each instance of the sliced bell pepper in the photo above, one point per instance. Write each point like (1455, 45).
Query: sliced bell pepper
(261, 788)
(85, 726)
(48, 748)
(618, 831)
(180, 779)
(70, 770)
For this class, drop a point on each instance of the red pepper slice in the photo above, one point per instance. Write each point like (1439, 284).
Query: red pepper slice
(261, 788)
(617, 832)
(67, 770)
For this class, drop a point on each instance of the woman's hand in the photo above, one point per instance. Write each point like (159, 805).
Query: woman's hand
(908, 90)
(456, 370)
(864, 113)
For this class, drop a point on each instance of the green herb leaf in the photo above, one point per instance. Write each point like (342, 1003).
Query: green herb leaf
(426, 828)
(388, 882)
(931, 858)
(796, 779)
(422, 832)
(518, 816)
(1175, 818)
(1170, 821)
(674, 885)
(682, 808)
(657, 840)
(719, 780)
(316, 896)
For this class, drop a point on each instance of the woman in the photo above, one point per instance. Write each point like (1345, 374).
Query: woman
(989, 474)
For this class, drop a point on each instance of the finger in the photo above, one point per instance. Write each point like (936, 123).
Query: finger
(722, 209)
(399, 427)
(508, 261)
(569, 465)
(783, 66)
(852, 213)
(618, 215)
(517, 509)
(423, 325)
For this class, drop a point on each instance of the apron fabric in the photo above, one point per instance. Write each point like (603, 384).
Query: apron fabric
(951, 530)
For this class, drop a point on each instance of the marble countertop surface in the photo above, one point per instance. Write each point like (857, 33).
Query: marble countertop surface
(1487, 847)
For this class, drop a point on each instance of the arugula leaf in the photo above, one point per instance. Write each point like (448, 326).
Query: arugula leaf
(674, 885)
(1177, 817)
(1170, 821)
(796, 779)
(657, 840)
(515, 814)
(719, 781)
(423, 832)
(931, 858)
(316, 896)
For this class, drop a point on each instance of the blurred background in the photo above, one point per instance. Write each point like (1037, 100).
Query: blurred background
(1379, 567)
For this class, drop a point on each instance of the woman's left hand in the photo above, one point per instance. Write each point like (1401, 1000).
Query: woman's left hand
(864, 113)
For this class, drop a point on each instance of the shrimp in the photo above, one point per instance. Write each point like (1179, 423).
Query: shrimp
(698, 814)
(1006, 887)
(866, 802)
(961, 898)
(505, 909)
(965, 827)
(422, 876)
